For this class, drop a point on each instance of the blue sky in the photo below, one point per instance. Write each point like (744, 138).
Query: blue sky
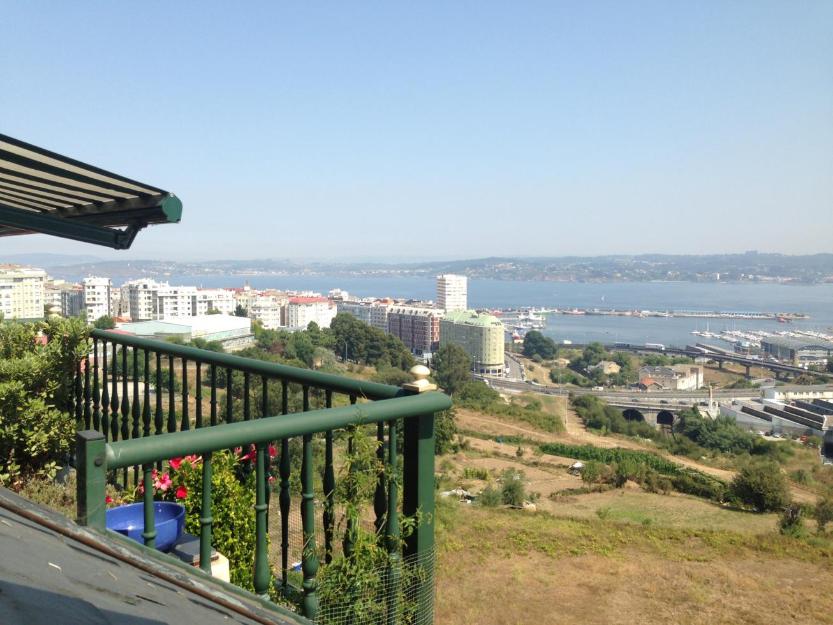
(439, 130)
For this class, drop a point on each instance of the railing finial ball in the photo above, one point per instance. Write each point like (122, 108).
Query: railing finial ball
(421, 382)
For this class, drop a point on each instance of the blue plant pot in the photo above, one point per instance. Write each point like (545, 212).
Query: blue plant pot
(169, 520)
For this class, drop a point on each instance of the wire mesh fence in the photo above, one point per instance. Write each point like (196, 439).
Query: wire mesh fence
(400, 591)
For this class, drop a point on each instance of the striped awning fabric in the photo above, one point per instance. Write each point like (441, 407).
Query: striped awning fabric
(40, 187)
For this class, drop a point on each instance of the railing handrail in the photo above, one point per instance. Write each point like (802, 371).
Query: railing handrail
(317, 379)
(165, 446)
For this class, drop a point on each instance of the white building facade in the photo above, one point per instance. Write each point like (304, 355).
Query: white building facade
(452, 292)
(22, 293)
(97, 297)
(301, 311)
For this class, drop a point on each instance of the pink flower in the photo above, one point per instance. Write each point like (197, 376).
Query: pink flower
(141, 487)
(163, 483)
(181, 492)
(272, 451)
(238, 450)
(193, 459)
(108, 499)
(175, 463)
(271, 478)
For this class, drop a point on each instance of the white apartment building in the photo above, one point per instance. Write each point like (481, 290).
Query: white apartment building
(373, 313)
(220, 300)
(268, 310)
(97, 302)
(303, 310)
(141, 298)
(22, 292)
(452, 292)
(175, 301)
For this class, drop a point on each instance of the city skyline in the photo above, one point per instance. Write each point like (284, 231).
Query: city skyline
(442, 132)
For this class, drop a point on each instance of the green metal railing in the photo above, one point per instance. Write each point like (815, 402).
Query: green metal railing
(140, 432)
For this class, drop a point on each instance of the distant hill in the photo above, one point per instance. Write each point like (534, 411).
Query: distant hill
(748, 267)
(49, 260)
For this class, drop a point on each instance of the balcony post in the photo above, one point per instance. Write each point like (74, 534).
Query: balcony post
(92, 473)
(418, 497)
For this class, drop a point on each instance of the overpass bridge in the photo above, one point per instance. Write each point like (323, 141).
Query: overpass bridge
(718, 354)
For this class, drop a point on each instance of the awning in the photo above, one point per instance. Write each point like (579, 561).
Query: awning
(44, 192)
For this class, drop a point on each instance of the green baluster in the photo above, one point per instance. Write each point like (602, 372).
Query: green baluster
(137, 408)
(78, 400)
(87, 393)
(105, 393)
(284, 499)
(379, 503)
(213, 394)
(261, 573)
(125, 407)
(247, 409)
(137, 413)
(114, 398)
(206, 520)
(394, 572)
(309, 557)
(146, 403)
(171, 396)
(198, 394)
(96, 389)
(349, 542)
(329, 488)
(186, 421)
(149, 532)
(229, 397)
(159, 416)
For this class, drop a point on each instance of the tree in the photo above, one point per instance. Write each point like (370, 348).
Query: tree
(239, 311)
(105, 322)
(761, 486)
(824, 513)
(452, 367)
(537, 343)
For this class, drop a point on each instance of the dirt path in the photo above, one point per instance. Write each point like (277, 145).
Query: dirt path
(577, 433)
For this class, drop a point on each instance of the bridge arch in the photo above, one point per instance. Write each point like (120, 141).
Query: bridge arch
(632, 414)
(665, 417)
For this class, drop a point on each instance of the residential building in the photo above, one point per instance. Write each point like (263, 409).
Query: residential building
(175, 301)
(97, 297)
(301, 311)
(452, 292)
(269, 310)
(220, 300)
(416, 326)
(22, 294)
(141, 299)
(480, 335)
(72, 301)
(675, 377)
(363, 311)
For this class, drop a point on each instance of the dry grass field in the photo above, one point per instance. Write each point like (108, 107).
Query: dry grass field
(620, 556)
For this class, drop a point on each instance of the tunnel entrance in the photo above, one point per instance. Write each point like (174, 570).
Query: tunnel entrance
(664, 417)
(632, 414)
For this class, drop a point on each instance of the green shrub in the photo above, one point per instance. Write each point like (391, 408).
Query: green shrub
(513, 489)
(37, 428)
(791, 522)
(823, 513)
(761, 486)
(490, 497)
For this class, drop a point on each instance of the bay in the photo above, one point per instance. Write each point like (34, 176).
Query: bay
(814, 300)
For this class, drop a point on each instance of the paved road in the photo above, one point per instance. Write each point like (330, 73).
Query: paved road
(514, 385)
(514, 368)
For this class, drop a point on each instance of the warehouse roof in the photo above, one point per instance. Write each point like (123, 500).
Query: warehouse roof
(798, 343)
(45, 192)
